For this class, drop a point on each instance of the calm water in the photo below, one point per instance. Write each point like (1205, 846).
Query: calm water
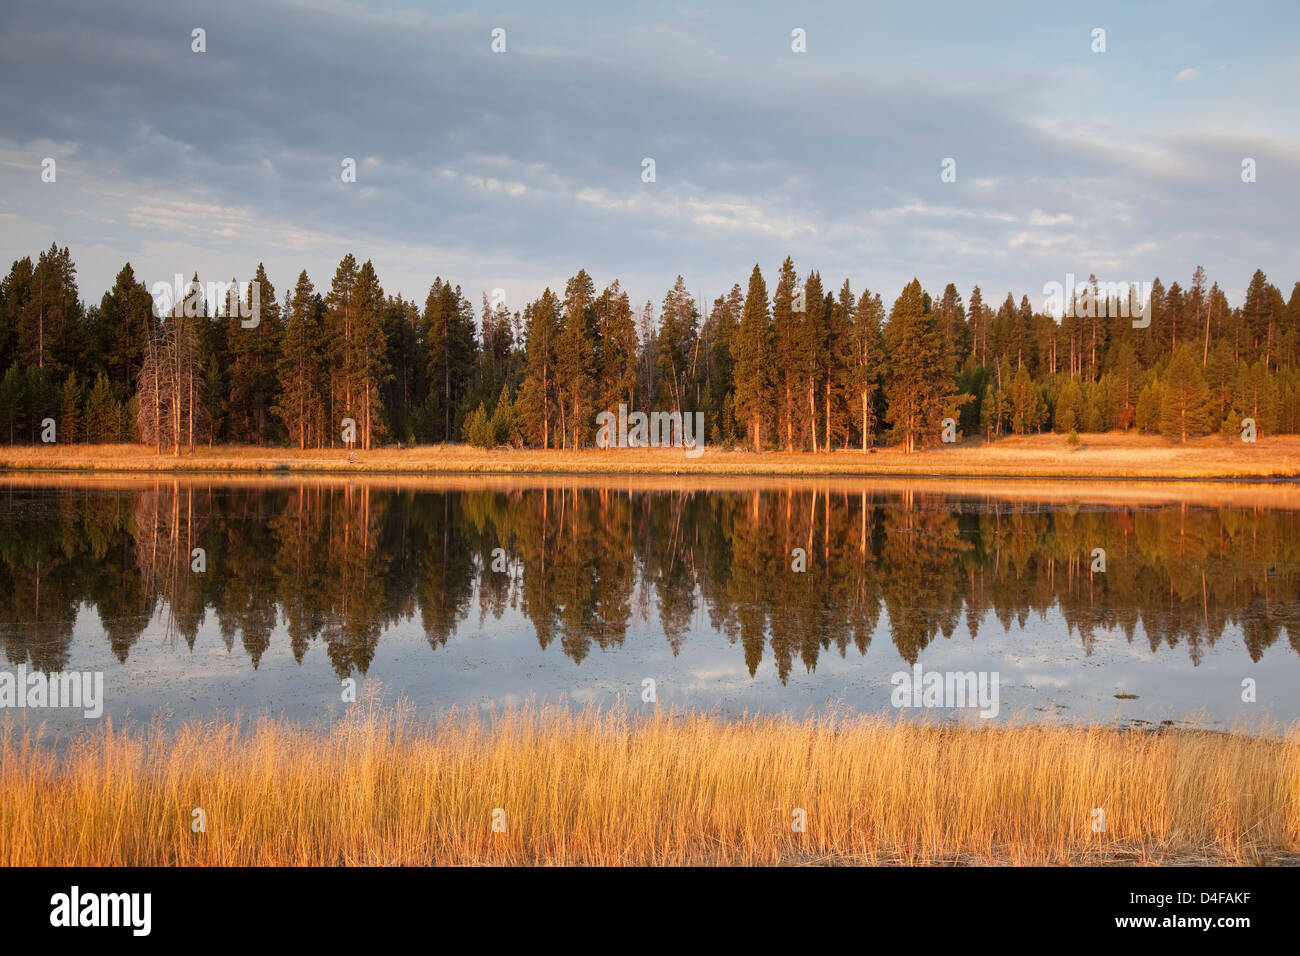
(596, 589)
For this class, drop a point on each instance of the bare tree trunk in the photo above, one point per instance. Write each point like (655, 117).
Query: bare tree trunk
(828, 414)
(812, 413)
(864, 421)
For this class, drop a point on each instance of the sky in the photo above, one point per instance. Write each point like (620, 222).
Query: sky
(512, 170)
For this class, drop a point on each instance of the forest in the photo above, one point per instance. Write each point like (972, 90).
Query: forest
(805, 367)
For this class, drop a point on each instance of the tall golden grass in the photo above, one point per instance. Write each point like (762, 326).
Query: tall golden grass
(599, 787)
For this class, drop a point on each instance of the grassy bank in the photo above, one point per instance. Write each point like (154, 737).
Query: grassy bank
(1031, 456)
(590, 788)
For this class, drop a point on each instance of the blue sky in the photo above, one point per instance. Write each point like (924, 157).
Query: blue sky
(514, 170)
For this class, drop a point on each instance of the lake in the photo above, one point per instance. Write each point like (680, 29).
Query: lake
(204, 596)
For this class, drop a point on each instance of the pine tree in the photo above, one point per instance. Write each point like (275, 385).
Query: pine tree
(341, 320)
(1069, 407)
(993, 410)
(575, 366)
(839, 364)
(537, 399)
(1026, 413)
(751, 351)
(12, 411)
(786, 347)
(865, 361)
(14, 292)
(50, 327)
(918, 396)
(719, 332)
(810, 352)
(370, 350)
(404, 360)
(975, 320)
(254, 352)
(300, 366)
(1256, 396)
(102, 423)
(70, 418)
(617, 367)
(503, 420)
(1185, 408)
(121, 328)
(676, 351)
(448, 331)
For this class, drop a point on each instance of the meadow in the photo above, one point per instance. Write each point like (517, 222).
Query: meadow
(558, 786)
(1108, 455)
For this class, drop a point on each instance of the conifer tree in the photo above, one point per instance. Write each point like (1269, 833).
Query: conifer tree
(300, 369)
(1026, 413)
(786, 347)
(811, 355)
(1185, 407)
(866, 360)
(254, 355)
(70, 418)
(538, 396)
(752, 352)
(1069, 407)
(917, 396)
(341, 323)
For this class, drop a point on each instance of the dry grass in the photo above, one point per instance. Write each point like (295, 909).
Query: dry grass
(1111, 455)
(384, 787)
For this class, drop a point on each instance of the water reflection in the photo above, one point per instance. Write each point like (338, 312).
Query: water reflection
(338, 563)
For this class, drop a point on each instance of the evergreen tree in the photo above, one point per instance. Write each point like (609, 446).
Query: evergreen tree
(341, 322)
(70, 420)
(14, 292)
(866, 361)
(752, 353)
(103, 416)
(1069, 407)
(121, 328)
(255, 349)
(539, 395)
(575, 365)
(811, 353)
(12, 404)
(301, 367)
(918, 397)
(50, 326)
(1256, 396)
(1185, 408)
(1026, 413)
(370, 348)
(977, 325)
(786, 347)
(448, 329)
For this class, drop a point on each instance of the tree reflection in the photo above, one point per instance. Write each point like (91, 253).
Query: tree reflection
(339, 563)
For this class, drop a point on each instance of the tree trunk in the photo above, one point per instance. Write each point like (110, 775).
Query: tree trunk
(812, 413)
(864, 421)
(828, 414)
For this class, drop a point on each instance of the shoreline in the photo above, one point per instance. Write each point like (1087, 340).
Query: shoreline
(1110, 457)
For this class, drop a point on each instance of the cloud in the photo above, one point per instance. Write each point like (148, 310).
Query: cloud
(477, 165)
(1187, 75)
